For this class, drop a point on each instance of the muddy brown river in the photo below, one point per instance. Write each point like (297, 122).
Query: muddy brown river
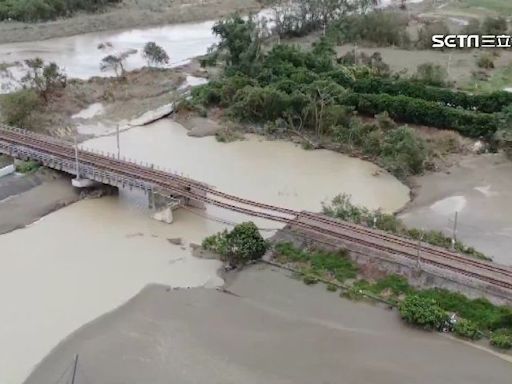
(89, 258)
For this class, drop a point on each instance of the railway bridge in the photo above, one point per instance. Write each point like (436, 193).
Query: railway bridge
(168, 191)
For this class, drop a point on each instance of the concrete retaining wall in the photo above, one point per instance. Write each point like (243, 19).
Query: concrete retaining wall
(375, 263)
(7, 170)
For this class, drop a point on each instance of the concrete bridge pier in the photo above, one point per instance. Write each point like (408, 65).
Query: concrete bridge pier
(84, 183)
(196, 203)
(163, 205)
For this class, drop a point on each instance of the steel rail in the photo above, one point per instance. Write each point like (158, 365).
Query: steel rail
(149, 174)
(361, 229)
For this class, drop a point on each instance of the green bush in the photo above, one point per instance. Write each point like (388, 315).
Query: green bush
(417, 111)
(243, 244)
(502, 340)
(431, 74)
(422, 312)
(467, 329)
(318, 263)
(27, 166)
(17, 108)
(488, 103)
(484, 314)
(403, 152)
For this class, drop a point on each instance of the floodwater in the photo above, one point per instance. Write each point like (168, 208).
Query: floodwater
(89, 258)
(80, 55)
(479, 190)
(272, 329)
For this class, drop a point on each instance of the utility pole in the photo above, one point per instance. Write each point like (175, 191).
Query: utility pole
(454, 235)
(118, 144)
(75, 370)
(77, 164)
(418, 254)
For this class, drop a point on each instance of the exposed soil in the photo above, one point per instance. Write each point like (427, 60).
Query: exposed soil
(25, 199)
(129, 14)
(123, 99)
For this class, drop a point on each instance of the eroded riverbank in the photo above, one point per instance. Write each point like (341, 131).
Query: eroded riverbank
(479, 189)
(296, 334)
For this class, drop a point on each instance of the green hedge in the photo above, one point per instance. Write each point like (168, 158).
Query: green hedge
(488, 103)
(423, 112)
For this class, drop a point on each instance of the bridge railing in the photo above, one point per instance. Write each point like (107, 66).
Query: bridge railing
(69, 166)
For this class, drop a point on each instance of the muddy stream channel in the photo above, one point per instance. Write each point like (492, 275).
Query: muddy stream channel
(91, 257)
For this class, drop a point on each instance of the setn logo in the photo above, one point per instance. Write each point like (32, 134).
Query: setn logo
(471, 41)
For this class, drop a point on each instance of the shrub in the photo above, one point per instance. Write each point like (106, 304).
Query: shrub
(403, 152)
(421, 312)
(417, 111)
(485, 61)
(467, 329)
(488, 103)
(17, 108)
(318, 263)
(502, 340)
(481, 312)
(310, 280)
(243, 244)
(431, 74)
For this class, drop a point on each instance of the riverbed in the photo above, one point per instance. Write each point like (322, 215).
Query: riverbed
(89, 258)
(269, 328)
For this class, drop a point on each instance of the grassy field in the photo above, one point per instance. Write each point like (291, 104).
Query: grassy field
(499, 79)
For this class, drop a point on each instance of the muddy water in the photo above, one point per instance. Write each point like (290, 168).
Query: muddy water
(80, 55)
(479, 189)
(87, 259)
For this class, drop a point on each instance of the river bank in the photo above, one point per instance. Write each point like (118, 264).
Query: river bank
(129, 14)
(24, 199)
(297, 334)
(478, 189)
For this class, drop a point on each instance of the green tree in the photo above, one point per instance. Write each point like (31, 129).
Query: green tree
(246, 243)
(45, 79)
(421, 312)
(154, 54)
(240, 43)
(243, 244)
(114, 63)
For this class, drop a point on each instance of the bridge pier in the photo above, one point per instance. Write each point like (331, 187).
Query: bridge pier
(84, 183)
(196, 203)
(164, 206)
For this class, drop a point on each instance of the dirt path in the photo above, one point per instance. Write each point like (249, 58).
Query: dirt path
(130, 14)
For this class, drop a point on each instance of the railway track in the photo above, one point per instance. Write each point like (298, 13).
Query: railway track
(321, 225)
